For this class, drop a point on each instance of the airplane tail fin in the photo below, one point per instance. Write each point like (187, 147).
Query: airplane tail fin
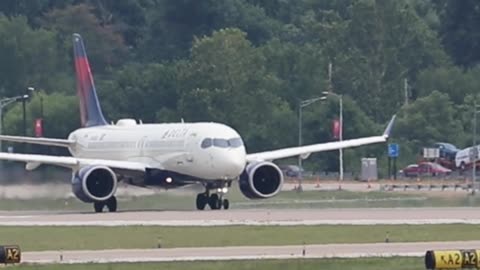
(90, 111)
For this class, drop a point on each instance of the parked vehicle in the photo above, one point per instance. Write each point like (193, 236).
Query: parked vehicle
(447, 153)
(464, 158)
(447, 150)
(425, 169)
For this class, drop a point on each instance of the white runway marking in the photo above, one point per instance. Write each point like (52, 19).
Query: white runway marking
(291, 201)
(207, 223)
(222, 258)
(258, 217)
(10, 217)
(244, 253)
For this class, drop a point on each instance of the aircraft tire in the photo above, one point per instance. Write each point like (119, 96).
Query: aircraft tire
(202, 200)
(226, 204)
(98, 206)
(112, 204)
(214, 202)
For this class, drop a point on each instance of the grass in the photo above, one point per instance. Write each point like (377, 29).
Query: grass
(91, 237)
(185, 200)
(395, 263)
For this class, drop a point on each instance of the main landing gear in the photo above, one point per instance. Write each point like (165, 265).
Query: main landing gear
(215, 200)
(111, 205)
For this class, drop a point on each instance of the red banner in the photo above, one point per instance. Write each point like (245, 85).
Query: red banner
(336, 129)
(38, 127)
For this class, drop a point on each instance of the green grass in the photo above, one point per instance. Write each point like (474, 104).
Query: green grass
(71, 238)
(396, 263)
(287, 199)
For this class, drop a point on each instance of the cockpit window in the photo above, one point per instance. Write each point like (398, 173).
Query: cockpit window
(222, 143)
(235, 142)
(207, 142)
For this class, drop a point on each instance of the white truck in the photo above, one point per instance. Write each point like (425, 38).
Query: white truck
(465, 157)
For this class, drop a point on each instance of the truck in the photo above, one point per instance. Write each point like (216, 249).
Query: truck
(464, 158)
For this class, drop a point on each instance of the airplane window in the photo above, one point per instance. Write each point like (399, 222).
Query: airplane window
(235, 142)
(220, 143)
(207, 142)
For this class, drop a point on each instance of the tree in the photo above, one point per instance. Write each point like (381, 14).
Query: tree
(247, 63)
(452, 80)
(60, 113)
(381, 51)
(226, 81)
(317, 128)
(465, 114)
(153, 86)
(30, 9)
(128, 17)
(105, 46)
(172, 25)
(459, 31)
(424, 121)
(302, 69)
(28, 57)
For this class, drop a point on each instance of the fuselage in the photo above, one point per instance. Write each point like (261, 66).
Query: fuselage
(208, 151)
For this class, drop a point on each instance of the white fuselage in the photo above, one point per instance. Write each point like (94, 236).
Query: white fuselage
(208, 151)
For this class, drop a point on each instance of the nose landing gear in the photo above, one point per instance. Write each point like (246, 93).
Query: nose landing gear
(215, 200)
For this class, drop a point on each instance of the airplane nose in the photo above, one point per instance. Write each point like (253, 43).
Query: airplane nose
(236, 164)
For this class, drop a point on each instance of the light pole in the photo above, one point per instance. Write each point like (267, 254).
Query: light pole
(302, 104)
(475, 148)
(31, 89)
(340, 135)
(3, 103)
(24, 102)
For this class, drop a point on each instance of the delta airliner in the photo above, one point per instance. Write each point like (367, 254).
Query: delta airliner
(168, 155)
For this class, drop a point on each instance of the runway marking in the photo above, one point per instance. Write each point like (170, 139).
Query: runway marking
(244, 252)
(10, 217)
(208, 223)
(226, 258)
(300, 201)
(257, 217)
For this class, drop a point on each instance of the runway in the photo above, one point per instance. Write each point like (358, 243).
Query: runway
(246, 217)
(242, 253)
(360, 216)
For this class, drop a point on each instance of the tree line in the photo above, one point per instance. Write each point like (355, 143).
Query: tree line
(248, 63)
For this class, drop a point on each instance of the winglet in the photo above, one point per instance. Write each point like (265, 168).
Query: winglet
(388, 130)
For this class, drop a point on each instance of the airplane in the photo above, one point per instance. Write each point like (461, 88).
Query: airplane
(168, 155)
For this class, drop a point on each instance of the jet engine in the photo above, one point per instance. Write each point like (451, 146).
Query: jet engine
(261, 180)
(94, 183)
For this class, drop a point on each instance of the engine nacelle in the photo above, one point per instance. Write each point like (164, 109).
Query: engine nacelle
(94, 183)
(261, 180)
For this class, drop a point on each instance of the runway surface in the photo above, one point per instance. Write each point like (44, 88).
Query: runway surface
(248, 217)
(239, 253)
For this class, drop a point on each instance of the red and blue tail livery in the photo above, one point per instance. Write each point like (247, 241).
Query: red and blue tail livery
(90, 111)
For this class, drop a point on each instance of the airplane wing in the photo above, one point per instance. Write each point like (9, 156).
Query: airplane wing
(305, 151)
(34, 140)
(33, 161)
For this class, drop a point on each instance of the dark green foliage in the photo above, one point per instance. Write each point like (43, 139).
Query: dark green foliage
(460, 32)
(247, 63)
